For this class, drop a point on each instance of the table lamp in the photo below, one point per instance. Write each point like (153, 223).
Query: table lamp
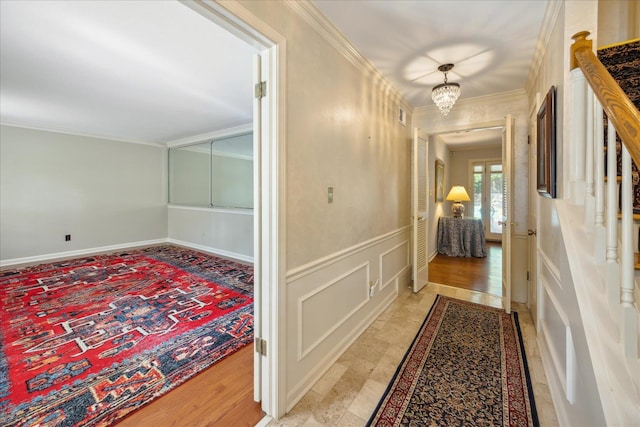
(458, 194)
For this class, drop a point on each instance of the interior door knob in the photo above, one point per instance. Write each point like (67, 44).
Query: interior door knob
(532, 232)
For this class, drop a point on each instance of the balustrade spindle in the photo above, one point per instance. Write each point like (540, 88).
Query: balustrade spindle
(599, 229)
(589, 190)
(629, 329)
(613, 270)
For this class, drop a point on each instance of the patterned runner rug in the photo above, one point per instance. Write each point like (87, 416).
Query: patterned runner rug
(86, 341)
(466, 367)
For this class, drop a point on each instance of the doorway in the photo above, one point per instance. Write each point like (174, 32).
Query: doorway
(467, 147)
(269, 258)
(486, 194)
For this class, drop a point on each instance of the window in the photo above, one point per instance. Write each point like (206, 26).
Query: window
(487, 195)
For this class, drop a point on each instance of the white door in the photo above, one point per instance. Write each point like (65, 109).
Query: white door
(419, 214)
(532, 267)
(257, 233)
(507, 211)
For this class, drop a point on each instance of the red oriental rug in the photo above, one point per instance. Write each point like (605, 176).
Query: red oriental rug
(466, 367)
(86, 341)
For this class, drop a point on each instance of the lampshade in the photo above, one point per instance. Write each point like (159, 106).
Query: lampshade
(445, 94)
(458, 194)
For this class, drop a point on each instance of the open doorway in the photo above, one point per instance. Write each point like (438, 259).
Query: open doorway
(473, 159)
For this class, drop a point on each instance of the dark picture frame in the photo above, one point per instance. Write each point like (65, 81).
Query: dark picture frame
(439, 187)
(546, 139)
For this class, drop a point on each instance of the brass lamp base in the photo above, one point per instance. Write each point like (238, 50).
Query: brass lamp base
(457, 210)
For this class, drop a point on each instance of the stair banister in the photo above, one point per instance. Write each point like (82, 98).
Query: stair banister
(623, 118)
(617, 105)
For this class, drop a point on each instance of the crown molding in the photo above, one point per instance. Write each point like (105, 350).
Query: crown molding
(84, 135)
(314, 17)
(551, 14)
(503, 97)
(204, 137)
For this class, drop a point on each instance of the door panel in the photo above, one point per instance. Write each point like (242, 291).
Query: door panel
(257, 227)
(507, 211)
(419, 204)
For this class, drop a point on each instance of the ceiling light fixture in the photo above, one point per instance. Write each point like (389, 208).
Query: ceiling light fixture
(445, 94)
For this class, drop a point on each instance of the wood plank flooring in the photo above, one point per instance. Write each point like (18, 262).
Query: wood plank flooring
(475, 274)
(220, 396)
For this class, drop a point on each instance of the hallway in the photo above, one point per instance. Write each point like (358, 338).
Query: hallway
(348, 393)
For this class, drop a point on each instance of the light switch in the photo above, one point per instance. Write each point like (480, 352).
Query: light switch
(330, 194)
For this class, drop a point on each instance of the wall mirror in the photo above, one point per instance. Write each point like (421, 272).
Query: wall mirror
(217, 173)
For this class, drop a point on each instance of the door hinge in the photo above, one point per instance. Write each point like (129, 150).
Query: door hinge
(527, 275)
(528, 139)
(261, 90)
(261, 346)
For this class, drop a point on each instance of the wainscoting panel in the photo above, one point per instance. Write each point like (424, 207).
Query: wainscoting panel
(393, 262)
(555, 330)
(330, 303)
(316, 322)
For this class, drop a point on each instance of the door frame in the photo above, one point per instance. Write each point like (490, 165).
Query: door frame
(269, 217)
(501, 123)
(508, 224)
(533, 288)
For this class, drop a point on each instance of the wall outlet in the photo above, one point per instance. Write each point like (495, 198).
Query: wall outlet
(67, 237)
(372, 287)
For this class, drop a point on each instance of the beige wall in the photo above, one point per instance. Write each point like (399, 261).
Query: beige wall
(437, 151)
(101, 192)
(618, 21)
(342, 132)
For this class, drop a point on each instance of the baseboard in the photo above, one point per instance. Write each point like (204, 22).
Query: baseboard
(58, 256)
(212, 251)
(264, 421)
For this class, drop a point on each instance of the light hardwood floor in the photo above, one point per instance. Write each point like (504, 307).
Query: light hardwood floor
(474, 274)
(220, 396)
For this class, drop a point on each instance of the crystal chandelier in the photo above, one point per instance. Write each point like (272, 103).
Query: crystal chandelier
(445, 94)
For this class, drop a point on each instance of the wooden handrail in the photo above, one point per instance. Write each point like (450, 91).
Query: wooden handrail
(619, 108)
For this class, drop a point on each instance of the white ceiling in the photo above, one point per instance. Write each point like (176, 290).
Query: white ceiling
(156, 71)
(148, 71)
(490, 43)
